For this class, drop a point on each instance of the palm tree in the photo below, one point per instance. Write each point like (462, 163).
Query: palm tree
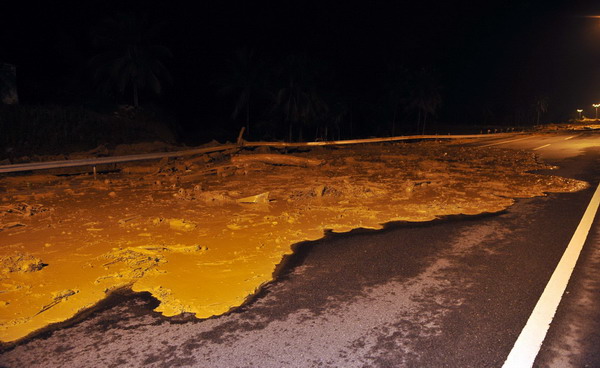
(297, 98)
(425, 95)
(129, 57)
(245, 79)
(487, 112)
(397, 90)
(8, 84)
(338, 114)
(541, 107)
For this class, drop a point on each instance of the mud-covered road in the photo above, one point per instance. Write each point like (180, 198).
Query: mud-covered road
(454, 292)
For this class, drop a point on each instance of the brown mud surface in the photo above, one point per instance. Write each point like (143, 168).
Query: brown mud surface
(203, 233)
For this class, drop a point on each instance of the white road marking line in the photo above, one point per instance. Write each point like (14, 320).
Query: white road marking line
(512, 140)
(573, 136)
(532, 336)
(540, 147)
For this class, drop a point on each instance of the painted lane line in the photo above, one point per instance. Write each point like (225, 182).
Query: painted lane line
(532, 336)
(540, 147)
(512, 140)
(571, 137)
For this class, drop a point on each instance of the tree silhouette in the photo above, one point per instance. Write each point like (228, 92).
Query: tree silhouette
(425, 95)
(338, 114)
(297, 98)
(397, 91)
(541, 107)
(245, 80)
(129, 56)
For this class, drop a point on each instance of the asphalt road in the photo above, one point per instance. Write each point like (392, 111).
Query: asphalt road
(450, 293)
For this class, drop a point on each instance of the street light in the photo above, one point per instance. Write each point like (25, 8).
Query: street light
(579, 111)
(596, 106)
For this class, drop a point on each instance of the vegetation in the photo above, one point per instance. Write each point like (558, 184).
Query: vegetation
(53, 129)
(276, 92)
(129, 57)
(245, 80)
(541, 107)
(297, 100)
(425, 96)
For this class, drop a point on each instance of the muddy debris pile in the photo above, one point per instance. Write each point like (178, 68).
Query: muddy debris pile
(20, 263)
(203, 233)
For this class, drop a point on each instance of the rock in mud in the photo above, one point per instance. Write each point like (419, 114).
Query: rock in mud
(20, 263)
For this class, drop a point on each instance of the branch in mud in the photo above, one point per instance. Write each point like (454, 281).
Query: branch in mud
(275, 159)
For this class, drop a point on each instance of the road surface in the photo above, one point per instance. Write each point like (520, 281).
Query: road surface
(455, 292)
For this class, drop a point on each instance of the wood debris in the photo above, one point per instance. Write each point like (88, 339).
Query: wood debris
(276, 159)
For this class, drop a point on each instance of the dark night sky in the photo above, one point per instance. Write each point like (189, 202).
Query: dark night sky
(486, 53)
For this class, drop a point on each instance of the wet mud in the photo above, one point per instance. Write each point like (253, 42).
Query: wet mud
(203, 234)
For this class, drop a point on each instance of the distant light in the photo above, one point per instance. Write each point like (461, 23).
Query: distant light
(579, 110)
(596, 105)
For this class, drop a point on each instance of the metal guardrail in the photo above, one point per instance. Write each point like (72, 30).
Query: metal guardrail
(152, 156)
(108, 160)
